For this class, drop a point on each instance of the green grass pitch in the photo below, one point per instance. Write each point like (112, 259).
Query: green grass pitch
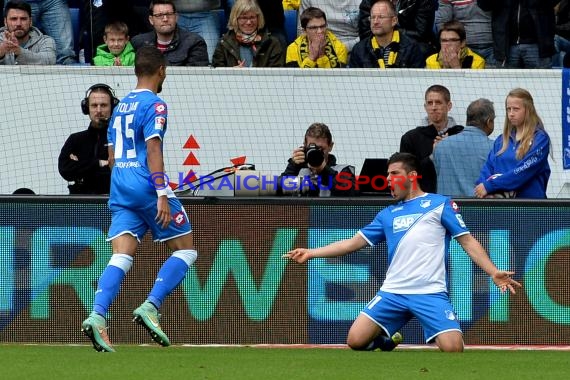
(176, 362)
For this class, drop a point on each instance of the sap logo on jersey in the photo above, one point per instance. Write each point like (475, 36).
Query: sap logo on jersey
(402, 223)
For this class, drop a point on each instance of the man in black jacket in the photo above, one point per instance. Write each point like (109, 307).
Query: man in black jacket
(415, 20)
(387, 46)
(179, 46)
(84, 158)
(420, 141)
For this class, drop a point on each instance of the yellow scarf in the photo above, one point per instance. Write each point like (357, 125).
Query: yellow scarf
(393, 46)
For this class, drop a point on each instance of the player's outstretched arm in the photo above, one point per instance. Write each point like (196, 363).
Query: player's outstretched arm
(338, 248)
(479, 256)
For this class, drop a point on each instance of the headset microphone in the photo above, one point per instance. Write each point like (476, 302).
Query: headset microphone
(104, 87)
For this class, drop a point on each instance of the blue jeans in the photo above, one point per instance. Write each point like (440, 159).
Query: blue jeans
(52, 17)
(206, 24)
(562, 46)
(525, 56)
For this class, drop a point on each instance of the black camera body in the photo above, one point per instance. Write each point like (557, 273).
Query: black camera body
(314, 155)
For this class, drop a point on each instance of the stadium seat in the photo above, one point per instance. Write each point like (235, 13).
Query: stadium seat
(75, 14)
(291, 25)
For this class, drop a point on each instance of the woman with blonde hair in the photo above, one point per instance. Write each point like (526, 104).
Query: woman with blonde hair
(247, 43)
(517, 166)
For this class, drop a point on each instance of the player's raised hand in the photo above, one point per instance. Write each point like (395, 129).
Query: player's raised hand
(504, 281)
(300, 255)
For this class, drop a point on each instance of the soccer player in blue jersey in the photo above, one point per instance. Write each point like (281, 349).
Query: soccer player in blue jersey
(141, 200)
(417, 229)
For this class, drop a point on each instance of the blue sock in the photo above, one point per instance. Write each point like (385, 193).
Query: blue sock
(170, 275)
(110, 282)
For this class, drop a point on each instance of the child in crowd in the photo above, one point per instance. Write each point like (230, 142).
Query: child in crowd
(117, 50)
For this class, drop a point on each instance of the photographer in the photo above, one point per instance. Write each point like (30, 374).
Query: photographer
(312, 170)
(84, 157)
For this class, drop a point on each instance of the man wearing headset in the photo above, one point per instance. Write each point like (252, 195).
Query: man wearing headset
(83, 160)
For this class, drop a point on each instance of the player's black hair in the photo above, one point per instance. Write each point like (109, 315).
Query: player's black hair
(148, 60)
(410, 162)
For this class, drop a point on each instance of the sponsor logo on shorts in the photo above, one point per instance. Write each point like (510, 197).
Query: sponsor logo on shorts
(179, 218)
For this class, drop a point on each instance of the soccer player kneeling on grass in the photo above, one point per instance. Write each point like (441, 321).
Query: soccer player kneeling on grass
(417, 229)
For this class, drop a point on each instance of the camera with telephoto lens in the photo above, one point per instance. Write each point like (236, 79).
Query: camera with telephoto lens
(314, 155)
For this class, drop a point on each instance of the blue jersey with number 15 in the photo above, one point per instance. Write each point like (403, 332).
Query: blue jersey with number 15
(140, 116)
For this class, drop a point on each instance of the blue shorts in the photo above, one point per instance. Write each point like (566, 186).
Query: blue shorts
(392, 311)
(138, 221)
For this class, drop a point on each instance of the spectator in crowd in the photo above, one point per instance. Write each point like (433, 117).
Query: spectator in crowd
(517, 165)
(477, 23)
(342, 18)
(53, 18)
(200, 17)
(312, 169)
(417, 230)
(317, 46)
(454, 54)
(415, 19)
(562, 36)
(291, 5)
(96, 14)
(458, 159)
(20, 42)
(179, 46)
(386, 47)
(274, 16)
(247, 44)
(421, 141)
(84, 158)
(117, 49)
(523, 32)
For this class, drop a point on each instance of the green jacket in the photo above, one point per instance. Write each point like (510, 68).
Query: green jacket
(104, 57)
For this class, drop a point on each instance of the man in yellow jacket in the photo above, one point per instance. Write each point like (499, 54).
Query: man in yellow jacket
(317, 47)
(454, 54)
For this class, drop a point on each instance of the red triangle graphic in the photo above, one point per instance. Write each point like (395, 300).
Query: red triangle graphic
(190, 177)
(191, 160)
(191, 143)
(238, 160)
(173, 185)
